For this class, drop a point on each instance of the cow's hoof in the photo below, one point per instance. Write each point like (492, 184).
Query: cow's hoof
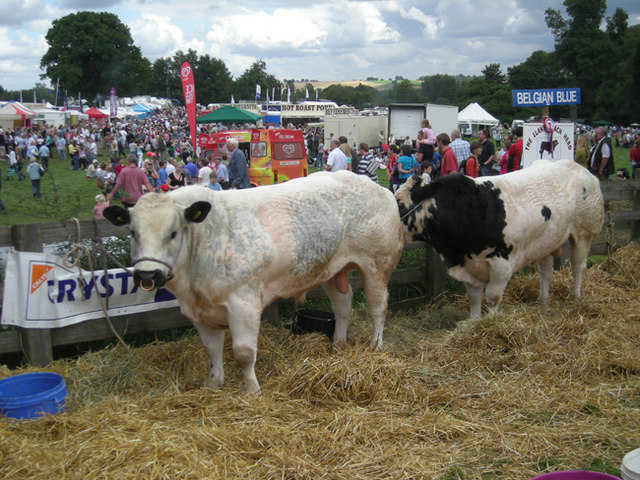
(544, 303)
(250, 388)
(211, 382)
(467, 324)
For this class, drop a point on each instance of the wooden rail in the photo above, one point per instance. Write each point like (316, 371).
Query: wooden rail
(37, 344)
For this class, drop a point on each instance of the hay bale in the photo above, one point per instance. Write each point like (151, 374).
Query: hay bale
(531, 390)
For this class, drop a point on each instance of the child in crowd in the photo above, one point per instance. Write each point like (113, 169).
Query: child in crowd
(213, 182)
(101, 204)
(471, 166)
(426, 168)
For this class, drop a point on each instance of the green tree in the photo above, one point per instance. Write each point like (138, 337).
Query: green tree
(540, 70)
(213, 81)
(245, 85)
(617, 26)
(439, 88)
(90, 52)
(493, 74)
(164, 81)
(633, 39)
(211, 76)
(337, 93)
(405, 92)
(582, 47)
(493, 97)
(363, 96)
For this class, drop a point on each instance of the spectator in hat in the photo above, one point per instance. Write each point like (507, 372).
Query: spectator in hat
(92, 169)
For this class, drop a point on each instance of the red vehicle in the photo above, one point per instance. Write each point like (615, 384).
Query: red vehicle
(274, 155)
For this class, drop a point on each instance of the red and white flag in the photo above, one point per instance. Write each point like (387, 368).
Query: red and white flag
(189, 91)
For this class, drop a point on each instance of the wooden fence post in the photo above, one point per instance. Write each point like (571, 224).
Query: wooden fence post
(36, 341)
(635, 225)
(434, 273)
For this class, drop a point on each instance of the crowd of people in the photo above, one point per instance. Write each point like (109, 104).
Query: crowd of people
(443, 154)
(156, 154)
(151, 154)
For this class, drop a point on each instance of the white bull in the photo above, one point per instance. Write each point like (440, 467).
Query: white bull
(488, 228)
(227, 255)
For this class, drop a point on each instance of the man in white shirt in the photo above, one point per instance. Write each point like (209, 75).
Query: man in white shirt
(337, 159)
(13, 161)
(204, 173)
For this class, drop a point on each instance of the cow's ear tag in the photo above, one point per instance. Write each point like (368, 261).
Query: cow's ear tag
(117, 215)
(197, 212)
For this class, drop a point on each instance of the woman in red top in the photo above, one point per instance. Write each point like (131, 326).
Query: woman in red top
(471, 166)
(634, 155)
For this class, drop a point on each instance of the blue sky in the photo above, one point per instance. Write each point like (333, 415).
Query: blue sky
(336, 40)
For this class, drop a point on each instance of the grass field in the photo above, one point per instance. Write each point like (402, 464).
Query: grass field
(65, 194)
(68, 193)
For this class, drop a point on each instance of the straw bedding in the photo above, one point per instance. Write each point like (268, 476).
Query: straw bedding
(531, 390)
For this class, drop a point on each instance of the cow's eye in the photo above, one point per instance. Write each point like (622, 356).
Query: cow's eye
(173, 235)
(133, 234)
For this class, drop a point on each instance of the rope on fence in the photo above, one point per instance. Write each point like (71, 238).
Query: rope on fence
(610, 235)
(73, 259)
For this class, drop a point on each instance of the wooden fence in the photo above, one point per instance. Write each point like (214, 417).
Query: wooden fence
(37, 344)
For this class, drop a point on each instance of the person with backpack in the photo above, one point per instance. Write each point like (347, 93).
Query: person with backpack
(471, 165)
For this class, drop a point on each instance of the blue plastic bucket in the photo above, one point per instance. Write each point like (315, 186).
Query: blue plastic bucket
(31, 395)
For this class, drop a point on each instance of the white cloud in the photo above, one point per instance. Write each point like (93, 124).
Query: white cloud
(431, 26)
(156, 35)
(338, 40)
(18, 12)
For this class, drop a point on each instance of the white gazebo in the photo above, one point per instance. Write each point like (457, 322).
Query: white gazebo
(473, 117)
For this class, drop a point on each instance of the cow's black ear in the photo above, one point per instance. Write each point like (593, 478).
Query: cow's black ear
(117, 215)
(197, 212)
(425, 192)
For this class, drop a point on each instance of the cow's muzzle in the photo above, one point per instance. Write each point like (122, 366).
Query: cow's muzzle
(149, 280)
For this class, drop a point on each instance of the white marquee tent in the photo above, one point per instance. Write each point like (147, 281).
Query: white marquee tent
(473, 117)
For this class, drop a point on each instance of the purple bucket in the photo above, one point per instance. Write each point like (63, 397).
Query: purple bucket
(575, 475)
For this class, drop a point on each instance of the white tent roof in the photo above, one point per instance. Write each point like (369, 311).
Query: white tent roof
(76, 113)
(50, 115)
(475, 114)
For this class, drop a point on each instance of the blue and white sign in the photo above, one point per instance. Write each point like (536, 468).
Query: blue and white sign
(45, 293)
(545, 97)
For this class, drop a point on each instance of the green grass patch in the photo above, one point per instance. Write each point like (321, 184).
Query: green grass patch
(65, 194)
(604, 466)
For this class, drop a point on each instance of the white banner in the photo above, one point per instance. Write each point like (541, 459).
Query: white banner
(536, 144)
(40, 292)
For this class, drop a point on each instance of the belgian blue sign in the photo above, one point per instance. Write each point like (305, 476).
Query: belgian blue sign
(545, 97)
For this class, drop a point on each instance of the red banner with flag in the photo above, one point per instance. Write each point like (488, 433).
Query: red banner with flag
(189, 91)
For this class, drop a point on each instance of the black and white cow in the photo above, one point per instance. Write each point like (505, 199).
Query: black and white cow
(227, 255)
(485, 229)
